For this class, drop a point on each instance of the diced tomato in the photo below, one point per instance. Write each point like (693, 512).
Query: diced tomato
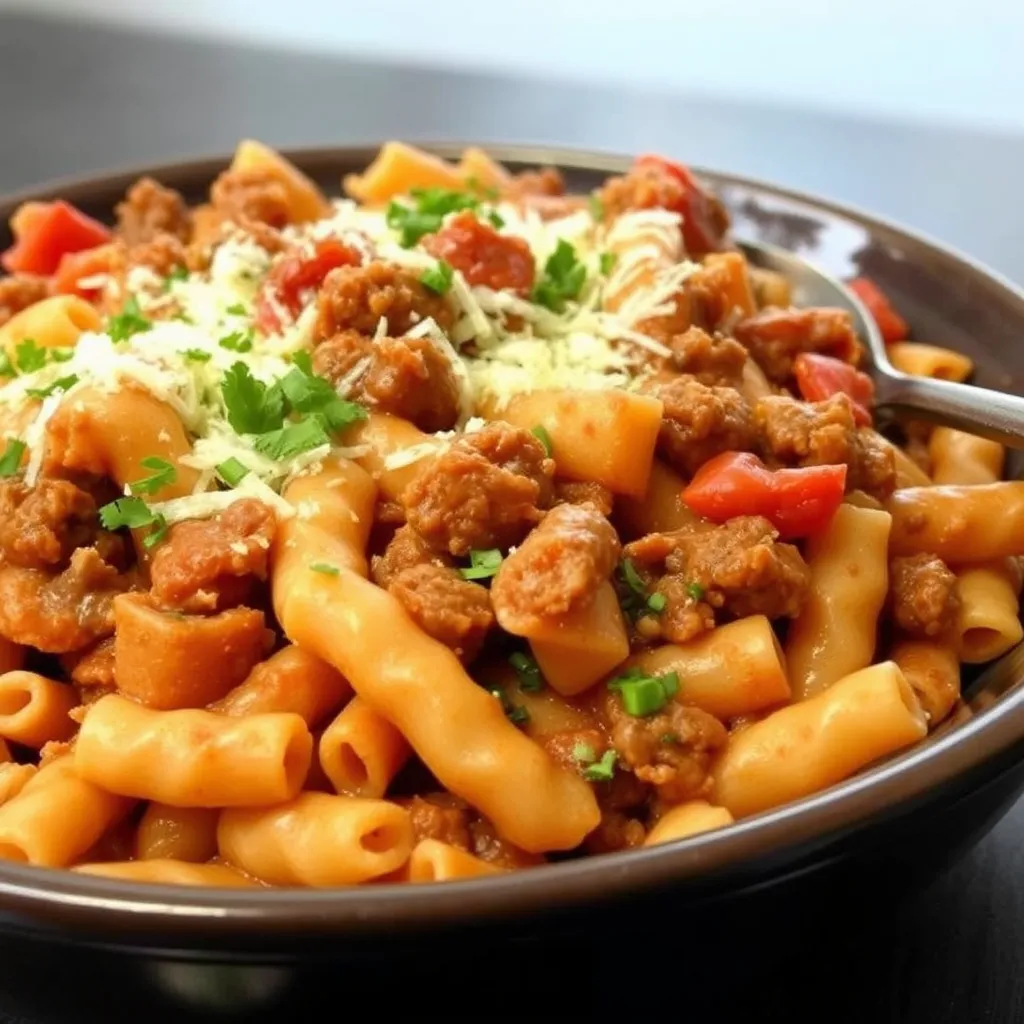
(798, 502)
(891, 325)
(819, 377)
(76, 267)
(45, 232)
(287, 286)
(483, 256)
(704, 221)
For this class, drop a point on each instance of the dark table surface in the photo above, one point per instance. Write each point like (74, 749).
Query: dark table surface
(80, 99)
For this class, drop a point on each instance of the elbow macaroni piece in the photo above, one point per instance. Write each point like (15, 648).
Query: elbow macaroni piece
(34, 710)
(434, 861)
(177, 833)
(192, 758)
(660, 510)
(361, 752)
(933, 671)
(56, 322)
(812, 745)
(385, 438)
(317, 840)
(960, 458)
(922, 360)
(988, 622)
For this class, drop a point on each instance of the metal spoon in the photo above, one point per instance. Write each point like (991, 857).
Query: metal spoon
(992, 414)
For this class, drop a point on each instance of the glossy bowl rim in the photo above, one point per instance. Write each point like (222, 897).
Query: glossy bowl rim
(90, 903)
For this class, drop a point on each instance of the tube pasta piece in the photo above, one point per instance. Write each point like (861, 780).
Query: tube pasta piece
(908, 472)
(167, 660)
(292, 680)
(973, 523)
(393, 442)
(167, 871)
(34, 709)
(361, 752)
(434, 861)
(578, 649)
(110, 435)
(207, 225)
(810, 746)
(192, 758)
(835, 634)
(961, 458)
(57, 816)
(604, 436)
(922, 360)
(456, 727)
(305, 201)
(177, 833)
(397, 168)
(660, 510)
(317, 840)
(56, 322)
(14, 778)
(988, 623)
(932, 669)
(736, 669)
(687, 820)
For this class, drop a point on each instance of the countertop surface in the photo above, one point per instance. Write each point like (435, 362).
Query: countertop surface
(80, 99)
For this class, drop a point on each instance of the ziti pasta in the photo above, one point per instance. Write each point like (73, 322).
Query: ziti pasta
(431, 531)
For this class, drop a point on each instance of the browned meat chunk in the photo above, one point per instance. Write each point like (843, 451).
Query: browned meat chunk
(795, 433)
(700, 422)
(485, 491)
(355, 299)
(93, 667)
(584, 492)
(545, 181)
(439, 816)
(924, 595)
(209, 564)
(445, 606)
(19, 292)
(406, 550)
(711, 359)
(150, 210)
(557, 569)
(685, 614)
(41, 526)
(243, 196)
(775, 337)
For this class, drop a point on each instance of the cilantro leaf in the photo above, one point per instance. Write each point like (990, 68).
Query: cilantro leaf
(197, 355)
(432, 205)
(128, 322)
(134, 514)
(10, 461)
(307, 393)
(61, 384)
(292, 439)
(29, 356)
(607, 262)
(163, 473)
(237, 309)
(304, 361)
(562, 279)
(6, 366)
(252, 407)
(238, 341)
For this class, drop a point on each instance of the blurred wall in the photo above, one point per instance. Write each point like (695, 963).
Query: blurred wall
(947, 61)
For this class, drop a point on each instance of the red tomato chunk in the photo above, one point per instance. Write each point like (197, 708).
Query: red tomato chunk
(46, 232)
(482, 256)
(819, 377)
(891, 325)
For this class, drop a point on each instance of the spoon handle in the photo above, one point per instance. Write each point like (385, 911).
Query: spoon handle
(992, 414)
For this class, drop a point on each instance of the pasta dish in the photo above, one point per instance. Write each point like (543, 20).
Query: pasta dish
(455, 526)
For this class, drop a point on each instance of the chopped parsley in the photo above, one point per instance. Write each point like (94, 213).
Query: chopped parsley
(60, 355)
(515, 713)
(6, 366)
(128, 322)
(432, 205)
(252, 407)
(603, 770)
(438, 278)
(307, 393)
(482, 564)
(10, 461)
(29, 356)
(656, 602)
(528, 671)
(607, 262)
(696, 591)
(325, 567)
(496, 219)
(540, 432)
(644, 695)
(237, 309)
(61, 384)
(562, 279)
(304, 361)
(162, 474)
(596, 206)
(238, 341)
(292, 439)
(197, 355)
(134, 514)
(232, 472)
(177, 274)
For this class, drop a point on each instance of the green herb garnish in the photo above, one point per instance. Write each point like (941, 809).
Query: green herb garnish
(431, 206)
(438, 278)
(61, 384)
(128, 322)
(528, 672)
(542, 435)
(644, 695)
(603, 770)
(29, 356)
(163, 473)
(10, 461)
(232, 472)
(134, 514)
(562, 279)
(325, 567)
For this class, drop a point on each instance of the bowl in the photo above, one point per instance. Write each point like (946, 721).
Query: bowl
(922, 808)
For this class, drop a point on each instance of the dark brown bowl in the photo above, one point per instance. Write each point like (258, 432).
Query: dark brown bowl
(922, 808)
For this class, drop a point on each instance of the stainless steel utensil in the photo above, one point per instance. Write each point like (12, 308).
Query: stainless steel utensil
(991, 414)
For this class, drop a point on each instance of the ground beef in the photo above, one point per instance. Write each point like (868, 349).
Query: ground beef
(584, 492)
(544, 181)
(924, 596)
(699, 422)
(795, 433)
(93, 667)
(485, 491)
(63, 612)
(557, 569)
(20, 291)
(41, 526)
(486, 844)
(482, 256)
(617, 831)
(252, 195)
(439, 816)
(684, 616)
(711, 359)
(405, 551)
(150, 210)
(206, 565)
(355, 299)
(671, 749)
(445, 606)
(775, 337)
